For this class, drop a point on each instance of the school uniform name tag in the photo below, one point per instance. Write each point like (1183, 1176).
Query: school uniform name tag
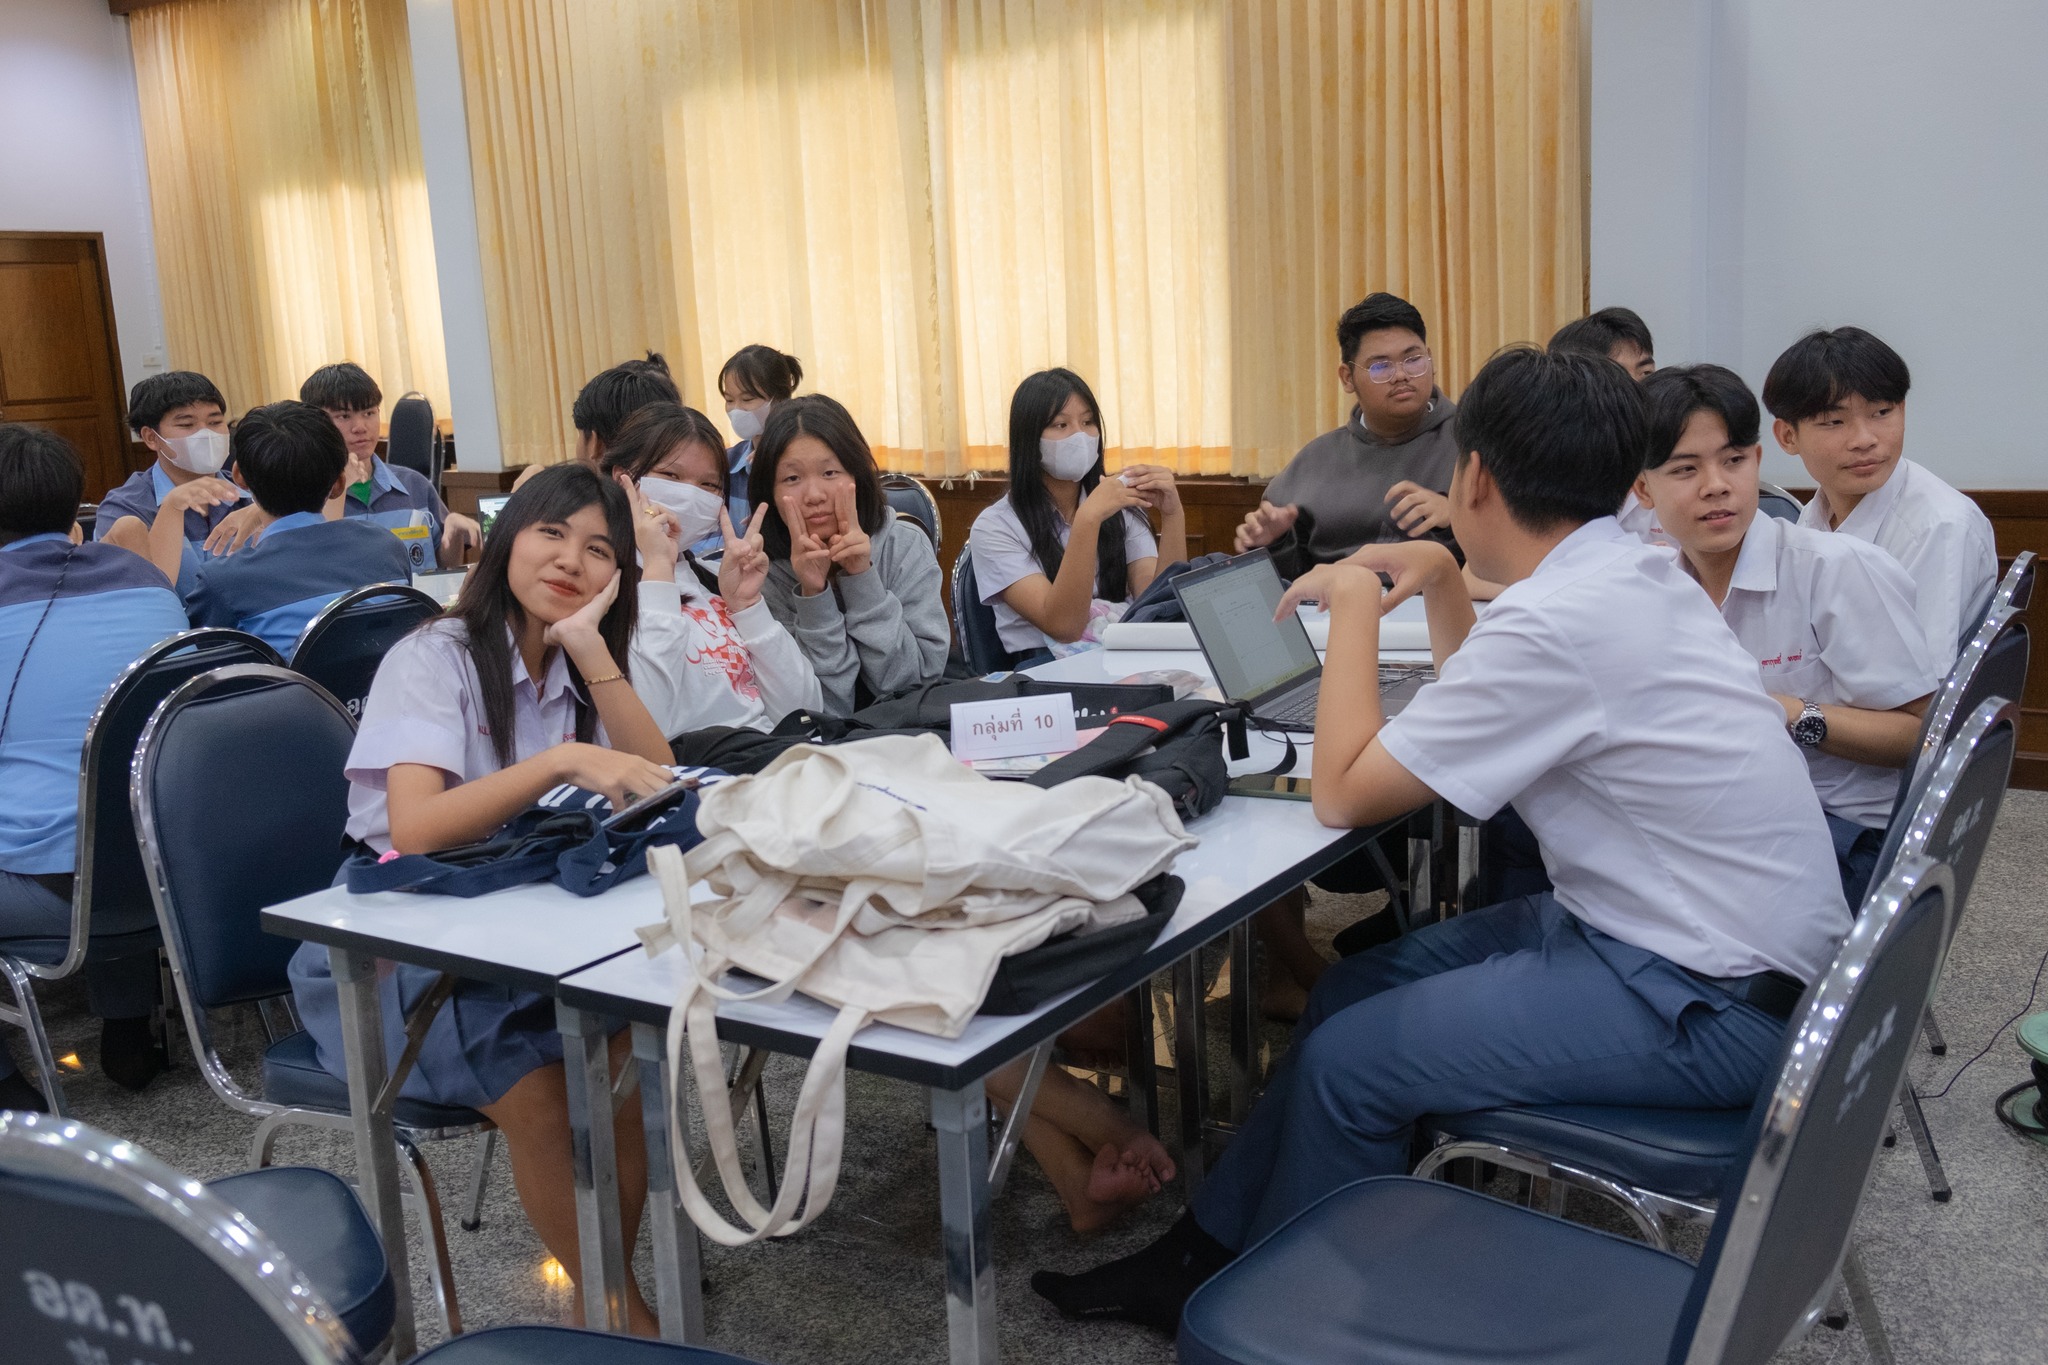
(1013, 727)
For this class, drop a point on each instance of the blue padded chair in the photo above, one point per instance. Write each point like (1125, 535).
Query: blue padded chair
(908, 497)
(1397, 1268)
(1774, 501)
(567, 1346)
(1993, 662)
(110, 897)
(272, 834)
(975, 620)
(414, 442)
(109, 1247)
(342, 646)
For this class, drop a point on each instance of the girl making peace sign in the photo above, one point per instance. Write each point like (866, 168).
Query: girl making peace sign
(860, 589)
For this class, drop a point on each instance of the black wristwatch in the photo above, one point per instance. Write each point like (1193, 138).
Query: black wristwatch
(1810, 731)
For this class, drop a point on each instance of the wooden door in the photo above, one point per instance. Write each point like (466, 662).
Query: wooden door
(60, 366)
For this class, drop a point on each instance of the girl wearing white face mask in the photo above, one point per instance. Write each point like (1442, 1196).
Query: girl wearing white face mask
(754, 380)
(707, 651)
(1067, 548)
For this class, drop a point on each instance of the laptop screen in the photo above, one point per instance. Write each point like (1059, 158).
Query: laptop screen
(487, 510)
(1231, 609)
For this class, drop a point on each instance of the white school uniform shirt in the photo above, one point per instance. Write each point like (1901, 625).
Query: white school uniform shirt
(1831, 619)
(1641, 521)
(426, 706)
(1002, 558)
(1603, 697)
(1942, 538)
(696, 664)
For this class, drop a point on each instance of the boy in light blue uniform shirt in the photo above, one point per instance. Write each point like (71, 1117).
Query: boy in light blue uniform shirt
(183, 420)
(386, 493)
(72, 617)
(293, 459)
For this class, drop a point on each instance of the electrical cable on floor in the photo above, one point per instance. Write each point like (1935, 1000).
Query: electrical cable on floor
(2025, 1010)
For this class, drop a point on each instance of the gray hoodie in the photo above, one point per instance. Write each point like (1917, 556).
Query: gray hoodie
(1341, 480)
(885, 628)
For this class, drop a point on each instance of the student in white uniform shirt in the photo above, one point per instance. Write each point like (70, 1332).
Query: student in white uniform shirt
(1829, 619)
(1840, 402)
(1695, 888)
(707, 651)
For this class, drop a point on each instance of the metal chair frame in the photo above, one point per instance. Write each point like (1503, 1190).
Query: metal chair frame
(966, 604)
(905, 483)
(1767, 491)
(43, 1146)
(95, 766)
(422, 1192)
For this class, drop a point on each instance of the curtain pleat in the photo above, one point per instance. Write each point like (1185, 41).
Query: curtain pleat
(289, 206)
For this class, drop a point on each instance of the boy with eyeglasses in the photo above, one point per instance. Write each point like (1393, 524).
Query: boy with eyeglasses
(1383, 474)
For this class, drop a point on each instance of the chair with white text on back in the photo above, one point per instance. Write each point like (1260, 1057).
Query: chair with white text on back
(341, 647)
(1396, 1268)
(110, 907)
(272, 833)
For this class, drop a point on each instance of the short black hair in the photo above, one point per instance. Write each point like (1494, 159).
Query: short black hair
(42, 481)
(1599, 333)
(1373, 313)
(1563, 435)
(763, 372)
(655, 430)
(1675, 393)
(1823, 368)
(343, 387)
(149, 400)
(613, 395)
(289, 454)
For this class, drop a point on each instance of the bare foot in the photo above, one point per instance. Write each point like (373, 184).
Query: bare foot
(1130, 1171)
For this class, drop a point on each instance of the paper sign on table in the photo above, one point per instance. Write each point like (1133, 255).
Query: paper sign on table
(1012, 726)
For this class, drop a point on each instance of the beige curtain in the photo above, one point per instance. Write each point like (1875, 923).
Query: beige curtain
(285, 185)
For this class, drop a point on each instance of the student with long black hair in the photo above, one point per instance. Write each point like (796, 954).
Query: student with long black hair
(753, 381)
(520, 687)
(1067, 545)
(859, 588)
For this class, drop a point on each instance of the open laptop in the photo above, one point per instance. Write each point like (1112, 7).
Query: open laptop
(1267, 666)
(487, 510)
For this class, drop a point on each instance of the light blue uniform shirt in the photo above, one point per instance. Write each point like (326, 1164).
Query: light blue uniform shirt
(302, 562)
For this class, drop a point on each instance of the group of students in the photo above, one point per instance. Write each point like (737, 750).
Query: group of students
(1694, 714)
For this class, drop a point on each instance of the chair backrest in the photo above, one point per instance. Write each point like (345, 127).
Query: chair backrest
(1774, 501)
(975, 620)
(1951, 819)
(910, 498)
(342, 646)
(111, 1250)
(112, 895)
(2015, 589)
(1786, 1213)
(1992, 663)
(240, 803)
(413, 440)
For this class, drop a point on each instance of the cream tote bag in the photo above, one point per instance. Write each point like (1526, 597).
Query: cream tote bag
(888, 880)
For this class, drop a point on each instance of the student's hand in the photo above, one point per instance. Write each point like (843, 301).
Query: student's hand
(1265, 524)
(458, 535)
(357, 470)
(743, 568)
(1417, 510)
(1154, 483)
(578, 632)
(623, 778)
(809, 557)
(1413, 566)
(237, 529)
(1330, 585)
(656, 532)
(850, 548)
(1111, 497)
(198, 495)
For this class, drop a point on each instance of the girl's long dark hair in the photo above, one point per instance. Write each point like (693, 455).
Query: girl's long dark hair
(487, 607)
(814, 415)
(1033, 407)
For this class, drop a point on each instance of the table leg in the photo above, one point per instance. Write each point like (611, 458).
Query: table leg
(1244, 1022)
(362, 1040)
(1471, 849)
(961, 1117)
(586, 1058)
(1138, 1044)
(678, 1251)
(1019, 1115)
(1190, 1064)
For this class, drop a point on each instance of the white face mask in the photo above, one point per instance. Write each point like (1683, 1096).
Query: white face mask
(696, 508)
(747, 423)
(203, 452)
(1070, 457)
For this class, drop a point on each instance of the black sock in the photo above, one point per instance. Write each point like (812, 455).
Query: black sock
(17, 1093)
(1148, 1287)
(130, 1055)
